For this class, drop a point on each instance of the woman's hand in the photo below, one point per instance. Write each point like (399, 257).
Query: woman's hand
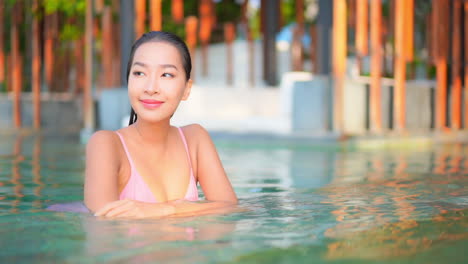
(135, 209)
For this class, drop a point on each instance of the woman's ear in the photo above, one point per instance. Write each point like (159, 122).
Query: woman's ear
(188, 88)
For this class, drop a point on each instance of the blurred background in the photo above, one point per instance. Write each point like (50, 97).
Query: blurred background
(294, 67)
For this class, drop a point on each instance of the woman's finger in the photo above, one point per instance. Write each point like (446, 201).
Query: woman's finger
(109, 206)
(116, 211)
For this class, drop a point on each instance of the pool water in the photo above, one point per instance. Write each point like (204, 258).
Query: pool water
(302, 203)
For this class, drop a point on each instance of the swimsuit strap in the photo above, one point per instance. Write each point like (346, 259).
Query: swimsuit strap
(126, 150)
(186, 149)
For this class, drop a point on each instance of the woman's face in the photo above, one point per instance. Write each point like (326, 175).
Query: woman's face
(157, 81)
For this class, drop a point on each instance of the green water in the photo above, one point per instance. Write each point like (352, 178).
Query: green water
(303, 204)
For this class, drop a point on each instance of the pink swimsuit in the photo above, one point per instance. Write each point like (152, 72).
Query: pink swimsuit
(136, 188)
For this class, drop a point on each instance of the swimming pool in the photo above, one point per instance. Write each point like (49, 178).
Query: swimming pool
(304, 203)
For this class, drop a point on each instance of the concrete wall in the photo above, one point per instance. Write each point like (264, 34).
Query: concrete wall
(63, 114)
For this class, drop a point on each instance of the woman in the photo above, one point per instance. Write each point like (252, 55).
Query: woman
(150, 168)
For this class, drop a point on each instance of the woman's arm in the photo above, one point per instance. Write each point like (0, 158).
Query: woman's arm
(102, 166)
(210, 172)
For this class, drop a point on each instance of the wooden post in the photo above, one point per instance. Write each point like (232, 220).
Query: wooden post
(88, 105)
(456, 65)
(409, 29)
(156, 15)
(79, 65)
(229, 36)
(376, 66)
(177, 8)
(140, 17)
(296, 45)
(191, 24)
(362, 22)
(15, 66)
(400, 67)
(440, 45)
(339, 62)
(466, 65)
(2, 54)
(107, 47)
(250, 44)
(36, 68)
(313, 48)
(206, 20)
(49, 31)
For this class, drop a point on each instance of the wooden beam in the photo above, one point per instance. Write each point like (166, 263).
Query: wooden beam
(400, 67)
(229, 36)
(177, 9)
(88, 105)
(108, 49)
(16, 70)
(376, 66)
(2, 53)
(409, 29)
(206, 20)
(156, 15)
(140, 18)
(36, 67)
(466, 64)
(362, 10)
(440, 47)
(456, 65)
(339, 62)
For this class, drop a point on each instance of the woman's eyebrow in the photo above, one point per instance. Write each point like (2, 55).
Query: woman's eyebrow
(140, 63)
(168, 66)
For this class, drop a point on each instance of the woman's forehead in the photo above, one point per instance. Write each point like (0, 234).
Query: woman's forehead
(157, 53)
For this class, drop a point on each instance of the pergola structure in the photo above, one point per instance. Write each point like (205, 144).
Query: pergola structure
(447, 24)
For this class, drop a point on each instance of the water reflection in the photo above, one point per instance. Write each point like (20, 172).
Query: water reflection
(349, 204)
(156, 240)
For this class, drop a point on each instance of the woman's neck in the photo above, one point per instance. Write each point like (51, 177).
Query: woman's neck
(152, 133)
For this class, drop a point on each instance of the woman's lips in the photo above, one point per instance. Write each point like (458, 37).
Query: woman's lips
(151, 103)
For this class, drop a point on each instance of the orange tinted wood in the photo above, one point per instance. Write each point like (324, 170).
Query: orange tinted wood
(456, 64)
(339, 61)
(140, 17)
(177, 8)
(400, 66)
(376, 66)
(362, 27)
(156, 15)
(36, 69)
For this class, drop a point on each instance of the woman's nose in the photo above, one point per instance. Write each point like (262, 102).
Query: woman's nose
(152, 87)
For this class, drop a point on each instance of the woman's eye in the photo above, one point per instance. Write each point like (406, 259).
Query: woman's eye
(167, 75)
(138, 73)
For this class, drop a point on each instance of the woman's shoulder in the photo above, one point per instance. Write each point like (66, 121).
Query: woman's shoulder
(195, 133)
(103, 138)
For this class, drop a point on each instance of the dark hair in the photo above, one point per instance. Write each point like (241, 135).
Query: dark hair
(160, 36)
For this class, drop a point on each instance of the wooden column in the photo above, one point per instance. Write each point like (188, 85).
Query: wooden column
(15, 67)
(88, 105)
(191, 24)
(108, 49)
(2, 54)
(440, 45)
(229, 36)
(156, 15)
(456, 65)
(376, 66)
(339, 62)
(362, 22)
(250, 44)
(49, 31)
(466, 65)
(177, 9)
(409, 30)
(296, 45)
(140, 18)
(36, 67)
(399, 108)
(206, 25)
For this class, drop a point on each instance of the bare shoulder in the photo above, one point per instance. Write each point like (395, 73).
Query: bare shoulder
(102, 139)
(196, 133)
